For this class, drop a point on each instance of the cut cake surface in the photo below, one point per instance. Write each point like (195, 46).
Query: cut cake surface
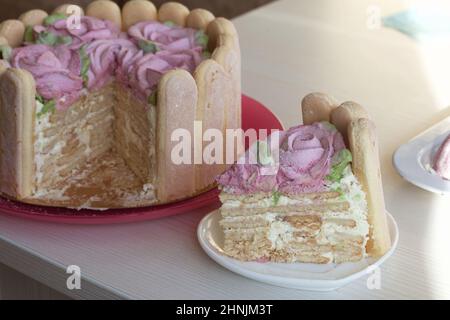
(323, 204)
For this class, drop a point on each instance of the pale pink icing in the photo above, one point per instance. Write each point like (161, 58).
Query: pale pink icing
(147, 70)
(305, 157)
(176, 47)
(305, 161)
(442, 160)
(104, 63)
(169, 38)
(56, 71)
(111, 53)
(90, 29)
(246, 179)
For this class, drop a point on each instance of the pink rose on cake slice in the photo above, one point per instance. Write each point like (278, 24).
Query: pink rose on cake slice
(312, 209)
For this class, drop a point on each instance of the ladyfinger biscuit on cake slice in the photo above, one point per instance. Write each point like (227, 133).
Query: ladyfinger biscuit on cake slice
(317, 107)
(13, 31)
(69, 9)
(199, 19)
(135, 11)
(105, 9)
(33, 17)
(366, 167)
(174, 12)
(176, 113)
(214, 100)
(17, 109)
(345, 113)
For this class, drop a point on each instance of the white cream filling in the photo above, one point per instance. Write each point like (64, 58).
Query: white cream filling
(265, 203)
(281, 233)
(352, 193)
(41, 124)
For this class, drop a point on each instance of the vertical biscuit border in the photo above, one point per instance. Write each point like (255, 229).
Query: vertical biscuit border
(105, 9)
(136, 11)
(21, 104)
(215, 96)
(366, 167)
(177, 95)
(64, 8)
(33, 17)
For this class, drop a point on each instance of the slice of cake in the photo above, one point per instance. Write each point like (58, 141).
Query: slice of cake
(324, 201)
(441, 161)
(89, 100)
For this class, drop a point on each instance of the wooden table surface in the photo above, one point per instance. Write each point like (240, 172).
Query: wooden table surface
(289, 49)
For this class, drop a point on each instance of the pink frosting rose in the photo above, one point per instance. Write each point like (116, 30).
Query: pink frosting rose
(247, 178)
(305, 160)
(165, 37)
(90, 29)
(111, 53)
(176, 48)
(144, 72)
(305, 157)
(56, 71)
(103, 55)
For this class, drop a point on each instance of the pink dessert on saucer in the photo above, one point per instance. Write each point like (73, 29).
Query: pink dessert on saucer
(441, 162)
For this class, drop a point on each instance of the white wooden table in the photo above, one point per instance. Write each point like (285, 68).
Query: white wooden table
(289, 48)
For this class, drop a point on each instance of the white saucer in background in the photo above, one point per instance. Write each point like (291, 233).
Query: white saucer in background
(303, 276)
(413, 160)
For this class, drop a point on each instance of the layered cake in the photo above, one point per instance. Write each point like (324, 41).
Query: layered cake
(312, 194)
(441, 161)
(89, 100)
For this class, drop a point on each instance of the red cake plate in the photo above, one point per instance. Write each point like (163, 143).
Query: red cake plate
(254, 115)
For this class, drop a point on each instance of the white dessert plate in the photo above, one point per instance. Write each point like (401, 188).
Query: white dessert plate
(413, 160)
(304, 276)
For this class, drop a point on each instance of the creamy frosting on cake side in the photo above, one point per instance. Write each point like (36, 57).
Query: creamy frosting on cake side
(313, 209)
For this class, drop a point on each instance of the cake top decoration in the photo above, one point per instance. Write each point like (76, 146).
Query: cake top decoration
(309, 156)
(64, 60)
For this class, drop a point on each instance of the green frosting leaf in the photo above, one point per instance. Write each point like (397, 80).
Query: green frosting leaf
(29, 35)
(206, 54)
(49, 106)
(47, 38)
(51, 39)
(85, 65)
(263, 153)
(276, 195)
(53, 18)
(5, 52)
(201, 39)
(152, 98)
(67, 40)
(40, 99)
(147, 46)
(170, 23)
(338, 164)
